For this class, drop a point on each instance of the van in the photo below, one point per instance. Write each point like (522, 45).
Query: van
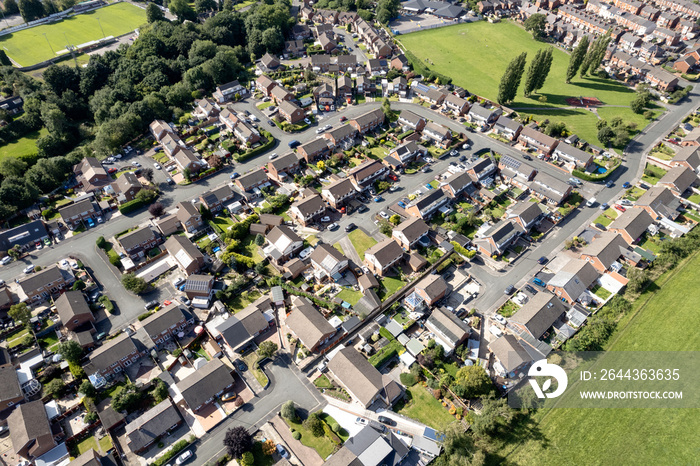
(495, 331)
(591, 202)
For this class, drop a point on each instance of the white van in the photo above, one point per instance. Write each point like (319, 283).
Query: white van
(496, 331)
(591, 202)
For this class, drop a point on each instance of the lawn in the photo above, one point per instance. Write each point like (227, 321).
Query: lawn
(601, 292)
(339, 248)
(29, 46)
(49, 341)
(634, 193)
(23, 146)
(240, 301)
(652, 174)
(15, 339)
(221, 224)
(607, 217)
(250, 359)
(328, 419)
(475, 56)
(390, 286)
(422, 407)
(629, 436)
(350, 296)
(361, 242)
(508, 309)
(323, 445)
(252, 248)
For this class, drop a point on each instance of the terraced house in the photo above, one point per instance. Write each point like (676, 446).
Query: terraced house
(342, 136)
(42, 285)
(338, 193)
(533, 139)
(382, 256)
(137, 243)
(308, 210)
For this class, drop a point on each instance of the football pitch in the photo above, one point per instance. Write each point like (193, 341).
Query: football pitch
(30, 46)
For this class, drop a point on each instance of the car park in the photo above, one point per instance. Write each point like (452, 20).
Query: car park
(333, 226)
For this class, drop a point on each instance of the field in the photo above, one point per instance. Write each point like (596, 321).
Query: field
(23, 146)
(630, 436)
(476, 55)
(29, 46)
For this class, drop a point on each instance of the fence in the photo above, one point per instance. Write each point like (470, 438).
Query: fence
(397, 32)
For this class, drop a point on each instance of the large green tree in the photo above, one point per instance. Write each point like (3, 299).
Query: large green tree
(576, 59)
(154, 13)
(535, 24)
(30, 9)
(20, 313)
(510, 80)
(595, 55)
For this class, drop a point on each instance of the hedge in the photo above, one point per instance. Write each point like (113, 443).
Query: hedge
(177, 448)
(386, 334)
(587, 177)
(262, 148)
(405, 135)
(130, 206)
(384, 354)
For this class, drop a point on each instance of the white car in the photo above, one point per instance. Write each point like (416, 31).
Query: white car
(273, 156)
(327, 127)
(500, 319)
(117, 156)
(319, 130)
(5, 260)
(325, 219)
(383, 214)
(307, 121)
(157, 166)
(254, 118)
(360, 421)
(184, 457)
(29, 268)
(135, 164)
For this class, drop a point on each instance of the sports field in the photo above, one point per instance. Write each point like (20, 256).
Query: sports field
(667, 322)
(29, 46)
(476, 55)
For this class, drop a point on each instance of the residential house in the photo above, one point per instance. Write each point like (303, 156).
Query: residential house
(367, 281)
(205, 384)
(377, 66)
(159, 129)
(10, 389)
(573, 157)
(499, 237)
(360, 378)
(264, 84)
(187, 161)
(382, 256)
(508, 128)
(346, 63)
(171, 144)
(199, 286)
(74, 310)
(338, 193)
(538, 315)
(430, 94)
(533, 139)
(438, 134)
(324, 94)
(631, 225)
(342, 136)
(138, 242)
(283, 167)
(327, 43)
(206, 108)
(185, 254)
(166, 323)
(456, 105)
(511, 358)
(328, 263)
(629, 41)
(400, 63)
(381, 48)
(320, 63)
(407, 152)
(409, 232)
(572, 280)
(329, 17)
(516, 172)
(301, 31)
(449, 330)
(661, 79)
(314, 150)
(189, 217)
(91, 174)
(692, 138)
(659, 201)
(365, 174)
(604, 250)
(368, 446)
(344, 87)
(283, 244)
(228, 91)
(307, 324)
(126, 187)
(482, 169)
(458, 183)
(688, 156)
(216, 199)
(307, 210)
(246, 133)
(666, 36)
(294, 49)
(678, 180)
(26, 235)
(481, 116)
(431, 289)
(368, 121)
(112, 357)
(280, 93)
(269, 62)
(42, 285)
(526, 214)
(149, 427)
(398, 85)
(251, 180)
(168, 225)
(291, 112)
(75, 214)
(409, 120)
(551, 189)
(30, 431)
(426, 205)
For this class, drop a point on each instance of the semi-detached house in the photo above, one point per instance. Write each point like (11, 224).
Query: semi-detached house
(137, 243)
(205, 384)
(516, 172)
(252, 180)
(426, 205)
(382, 256)
(409, 120)
(483, 116)
(314, 150)
(457, 184)
(42, 285)
(407, 152)
(112, 357)
(440, 135)
(631, 225)
(572, 280)
(499, 237)
(531, 138)
(338, 193)
(341, 136)
(187, 256)
(526, 214)
(573, 157)
(409, 232)
(604, 250)
(185, 159)
(328, 263)
(368, 121)
(216, 199)
(508, 128)
(291, 112)
(307, 210)
(365, 174)
(189, 216)
(551, 189)
(538, 315)
(283, 244)
(449, 331)
(456, 104)
(166, 323)
(283, 167)
(75, 214)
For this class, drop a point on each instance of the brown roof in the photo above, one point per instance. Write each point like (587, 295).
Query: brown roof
(89, 458)
(509, 352)
(433, 286)
(448, 325)
(9, 384)
(271, 219)
(367, 281)
(413, 228)
(540, 313)
(308, 324)
(309, 205)
(29, 422)
(606, 247)
(70, 305)
(633, 221)
(205, 382)
(385, 251)
(357, 374)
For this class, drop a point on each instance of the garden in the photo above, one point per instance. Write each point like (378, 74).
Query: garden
(652, 174)
(327, 387)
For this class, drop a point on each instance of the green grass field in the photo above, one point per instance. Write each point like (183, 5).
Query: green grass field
(29, 46)
(422, 407)
(476, 55)
(630, 436)
(23, 146)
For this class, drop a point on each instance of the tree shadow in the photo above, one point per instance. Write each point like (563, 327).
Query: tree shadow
(600, 84)
(523, 428)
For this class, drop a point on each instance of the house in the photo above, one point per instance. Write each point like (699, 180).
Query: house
(166, 323)
(508, 128)
(137, 243)
(187, 161)
(457, 184)
(516, 172)
(89, 458)
(369, 447)
(482, 169)
(112, 357)
(126, 187)
(324, 94)
(327, 43)
(185, 254)
(159, 129)
(533, 139)
(239, 331)
(189, 216)
(229, 91)
(551, 189)
(381, 48)
(426, 205)
(294, 49)
(30, 431)
(199, 286)
(456, 105)
(382, 256)
(10, 390)
(360, 378)
(526, 214)
(377, 66)
(431, 289)
(75, 214)
(171, 144)
(264, 84)
(538, 315)
(314, 150)
(398, 85)
(688, 156)
(301, 31)
(283, 167)
(342, 136)
(440, 135)
(661, 79)
(449, 330)
(307, 324)
(368, 121)
(251, 180)
(91, 174)
(13, 104)
(604, 250)
(499, 237)
(367, 281)
(216, 199)
(659, 201)
(631, 225)
(269, 62)
(629, 41)
(344, 86)
(573, 157)
(283, 244)
(338, 193)
(206, 108)
(320, 63)
(481, 116)
(511, 358)
(407, 152)
(430, 94)
(149, 427)
(307, 210)
(168, 225)
(410, 121)
(692, 138)
(678, 180)
(42, 285)
(26, 235)
(291, 112)
(205, 384)
(246, 133)
(365, 174)
(572, 280)
(328, 263)
(73, 310)
(279, 94)
(409, 232)
(400, 63)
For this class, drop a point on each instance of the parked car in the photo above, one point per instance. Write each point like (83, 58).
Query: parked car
(135, 163)
(604, 206)
(185, 301)
(542, 260)
(186, 456)
(293, 143)
(350, 227)
(626, 185)
(319, 130)
(530, 289)
(271, 123)
(620, 208)
(325, 219)
(307, 121)
(282, 451)
(169, 181)
(333, 226)
(360, 421)
(322, 367)
(234, 175)
(500, 319)
(425, 170)
(178, 281)
(539, 282)
(241, 365)
(342, 118)
(378, 199)
(5, 260)
(527, 157)
(28, 269)
(509, 289)
(362, 209)
(609, 184)
(273, 156)
(228, 396)
(462, 158)
(386, 420)
(150, 305)
(157, 166)
(626, 202)
(383, 214)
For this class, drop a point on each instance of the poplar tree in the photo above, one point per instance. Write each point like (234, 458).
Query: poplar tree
(595, 55)
(538, 71)
(511, 79)
(577, 57)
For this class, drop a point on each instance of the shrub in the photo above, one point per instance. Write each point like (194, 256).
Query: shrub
(314, 424)
(408, 379)
(247, 459)
(130, 206)
(336, 427)
(288, 410)
(296, 435)
(101, 242)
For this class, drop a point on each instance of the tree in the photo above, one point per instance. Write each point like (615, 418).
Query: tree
(595, 55)
(160, 391)
(386, 108)
(386, 228)
(538, 71)
(536, 24)
(30, 9)
(576, 59)
(182, 10)
(87, 389)
(511, 79)
(314, 424)
(472, 382)
(321, 165)
(215, 161)
(156, 209)
(247, 459)
(289, 410)
(11, 7)
(238, 441)
(202, 6)
(268, 447)
(395, 219)
(259, 239)
(495, 413)
(127, 399)
(15, 251)
(55, 388)
(134, 284)
(154, 13)
(78, 285)
(12, 166)
(20, 313)
(267, 349)
(147, 173)
(146, 195)
(71, 351)
(605, 135)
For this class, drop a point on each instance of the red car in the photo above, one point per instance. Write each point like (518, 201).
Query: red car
(620, 208)
(342, 118)
(112, 170)
(393, 177)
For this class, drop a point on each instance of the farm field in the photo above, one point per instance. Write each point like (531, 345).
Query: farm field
(630, 436)
(476, 55)
(29, 46)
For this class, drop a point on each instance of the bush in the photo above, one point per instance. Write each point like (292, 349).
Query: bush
(314, 424)
(247, 459)
(408, 379)
(130, 206)
(296, 435)
(101, 242)
(288, 410)
(177, 448)
(144, 316)
(336, 427)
